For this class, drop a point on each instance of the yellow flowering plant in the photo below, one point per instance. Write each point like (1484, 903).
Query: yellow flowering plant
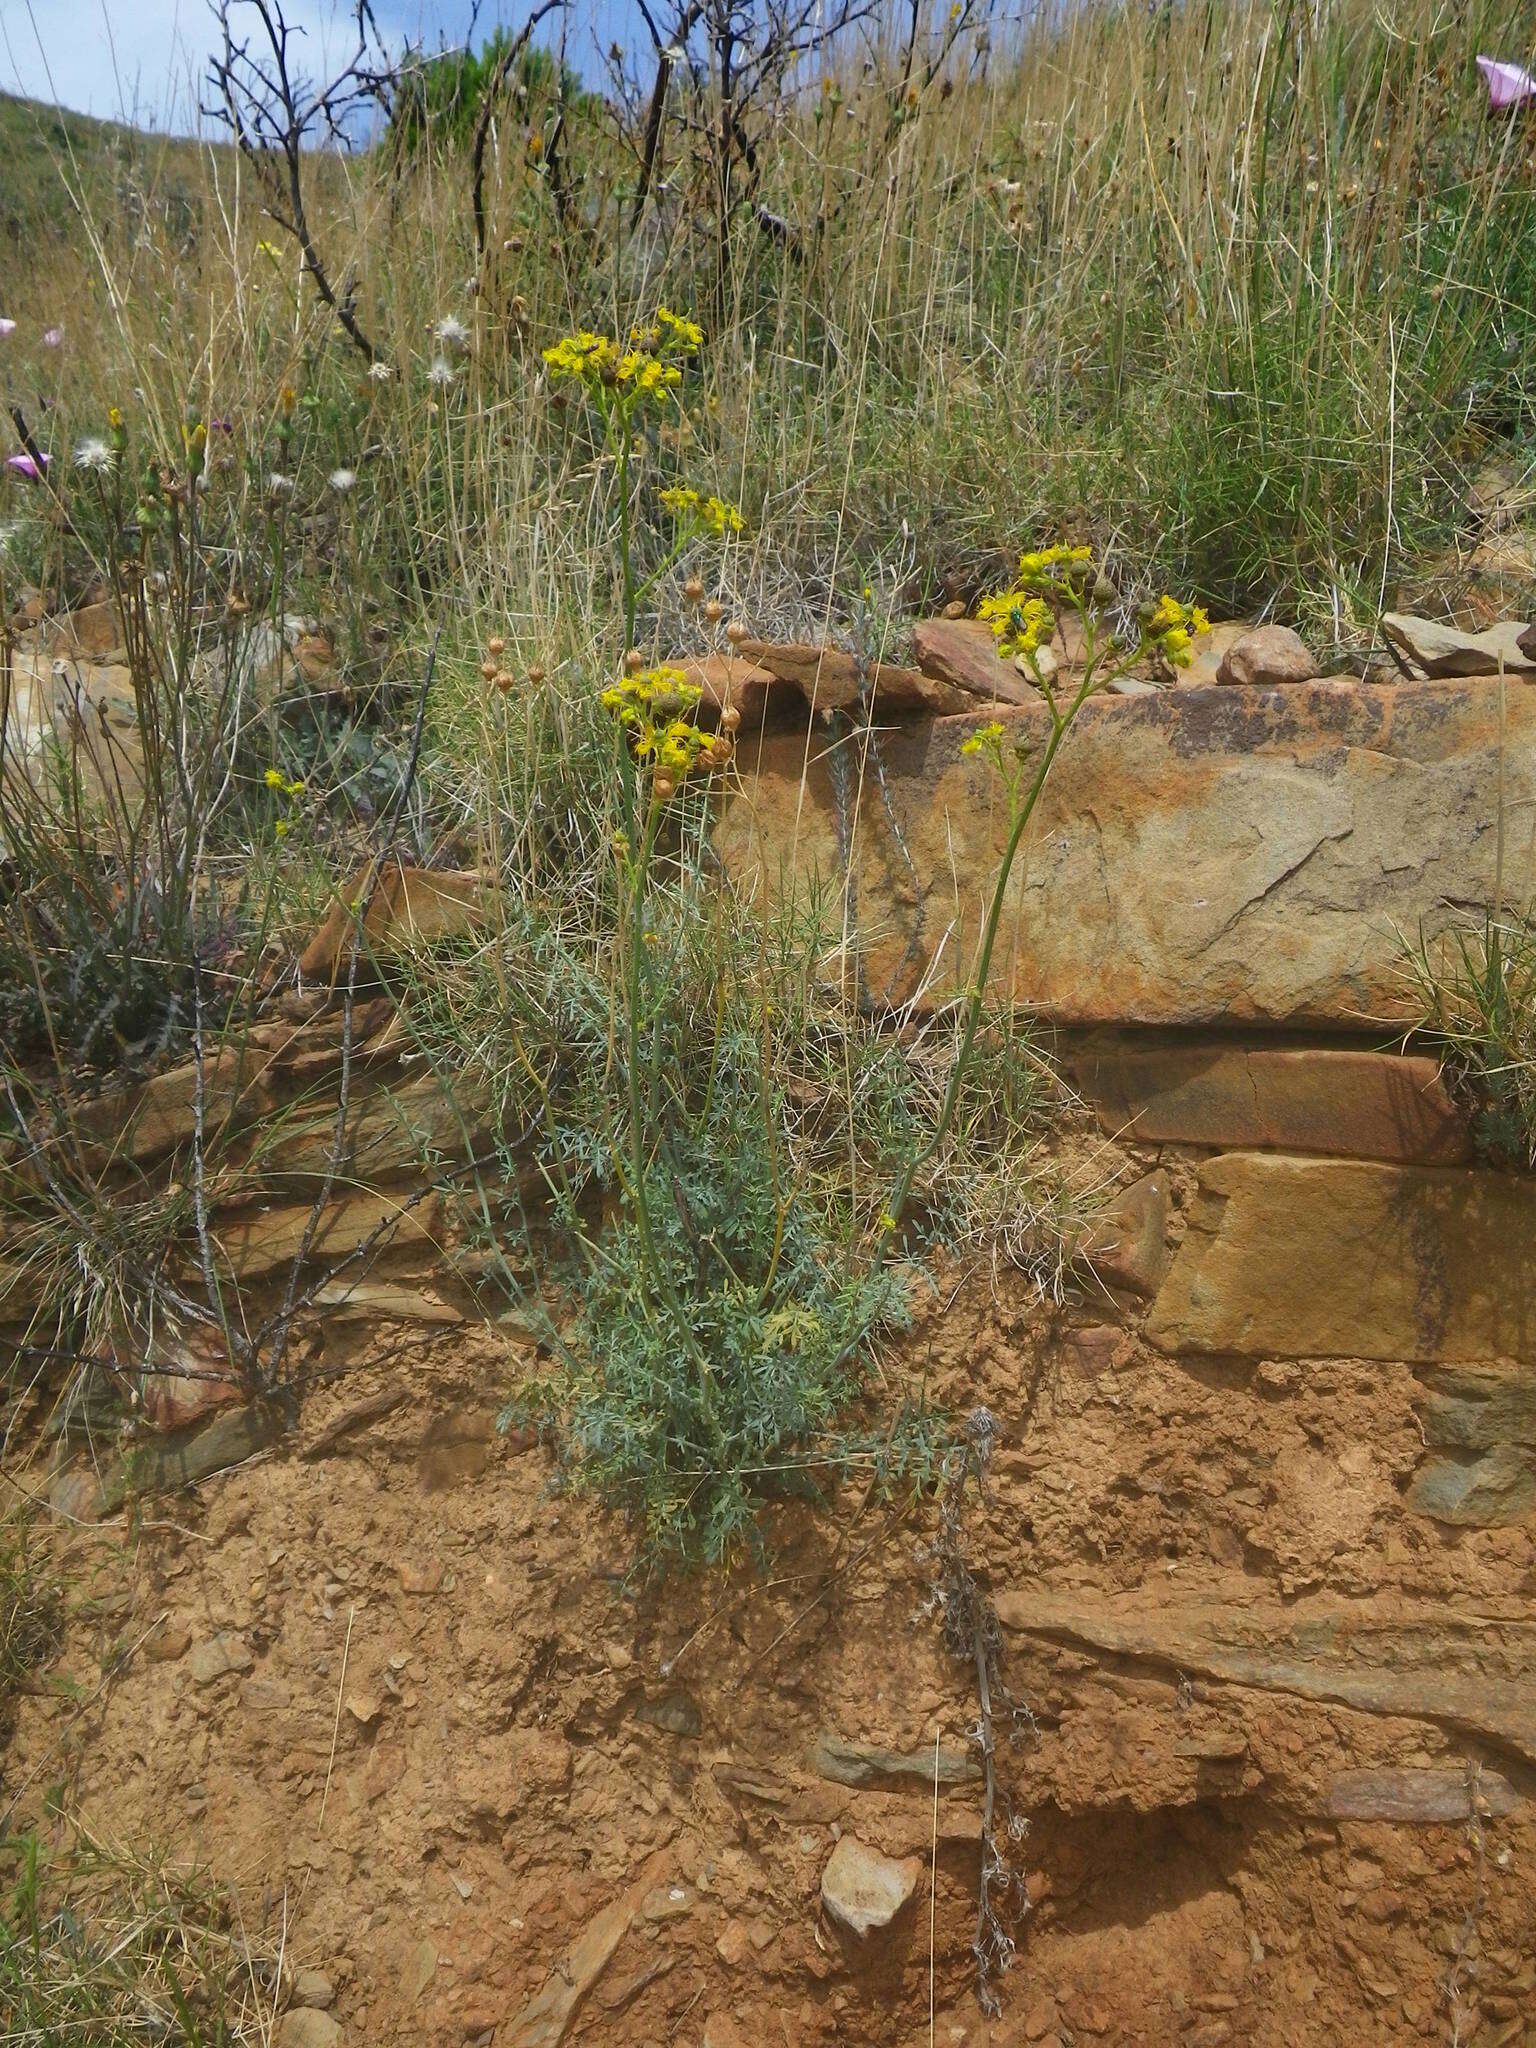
(1052, 584)
(624, 381)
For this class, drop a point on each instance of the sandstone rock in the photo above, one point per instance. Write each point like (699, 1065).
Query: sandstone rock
(306, 2026)
(1487, 1492)
(1360, 1105)
(1128, 1245)
(1209, 652)
(963, 653)
(217, 1657)
(1419, 1797)
(727, 680)
(186, 1378)
(865, 1765)
(1198, 855)
(1313, 1258)
(314, 1989)
(829, 680)
(161, 1464)
(250, 1242)
(1393, 1657)
(545, 2019)
(1267, 658)
(1434, 649)
(91, 632)
(421, 1576)
(863, 1891)
(409, 905)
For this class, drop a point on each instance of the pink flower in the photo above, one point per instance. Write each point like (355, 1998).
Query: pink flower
(7, 327)
(53, 337)
(25, 466)
(1507, 84)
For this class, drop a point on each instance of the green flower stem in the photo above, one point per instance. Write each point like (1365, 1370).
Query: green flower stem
(659, 1272)
(1061, 722)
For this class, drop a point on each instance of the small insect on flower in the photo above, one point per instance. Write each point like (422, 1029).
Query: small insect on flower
(450, 332)
(95, 455)
(342, 481)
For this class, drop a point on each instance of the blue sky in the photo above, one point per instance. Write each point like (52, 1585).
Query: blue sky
(141, 59)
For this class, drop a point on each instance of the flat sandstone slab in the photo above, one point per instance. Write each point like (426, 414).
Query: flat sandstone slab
(1330, 1258)
(1235, 854)
(1355, 1103)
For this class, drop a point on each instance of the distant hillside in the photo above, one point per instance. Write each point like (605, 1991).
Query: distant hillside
(47, 150)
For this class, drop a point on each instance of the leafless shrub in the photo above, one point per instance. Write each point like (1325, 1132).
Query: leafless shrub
(276, 113)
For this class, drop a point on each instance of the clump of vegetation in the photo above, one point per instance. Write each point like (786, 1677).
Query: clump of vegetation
(99, 1945)
(1479, 995)
(30, 1615)
(1163, 286)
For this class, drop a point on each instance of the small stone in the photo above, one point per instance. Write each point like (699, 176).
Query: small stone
(424, 1576)
(862, 1891)
(721, 2031)
(168, 1645)
(733, 1945)
(420, 1968)
(618, 1658)
(1429, 647)
(364, 1707)
(1267, 658)
(1127, 1246)
(305, 2026)
(675, 1713)
(216, 1658)
(314, 1989)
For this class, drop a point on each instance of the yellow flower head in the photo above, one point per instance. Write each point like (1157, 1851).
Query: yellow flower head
(278, 782)
(1054, 568)
(711, 514)
(985, 739)
(1172, 628)
(1021, 623)
(678, 333)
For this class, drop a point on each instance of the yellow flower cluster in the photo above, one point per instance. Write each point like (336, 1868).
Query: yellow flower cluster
(1172, 627)
(682, 334)
(1021, 623)
(712, 514)
(652, 705)
(276, 780)
(1048, 568)
(597, 360)
(984, 739)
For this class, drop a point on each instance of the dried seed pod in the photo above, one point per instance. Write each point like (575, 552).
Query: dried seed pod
(730, 719)
(714, 611)
(488, 670)
(665, 788)
(736, 632)
(495, 645)
(535, 672)
(634, 661)
(693, 589)
(504, 680)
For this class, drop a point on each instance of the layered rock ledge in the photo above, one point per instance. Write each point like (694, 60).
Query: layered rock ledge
(1200, 856)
